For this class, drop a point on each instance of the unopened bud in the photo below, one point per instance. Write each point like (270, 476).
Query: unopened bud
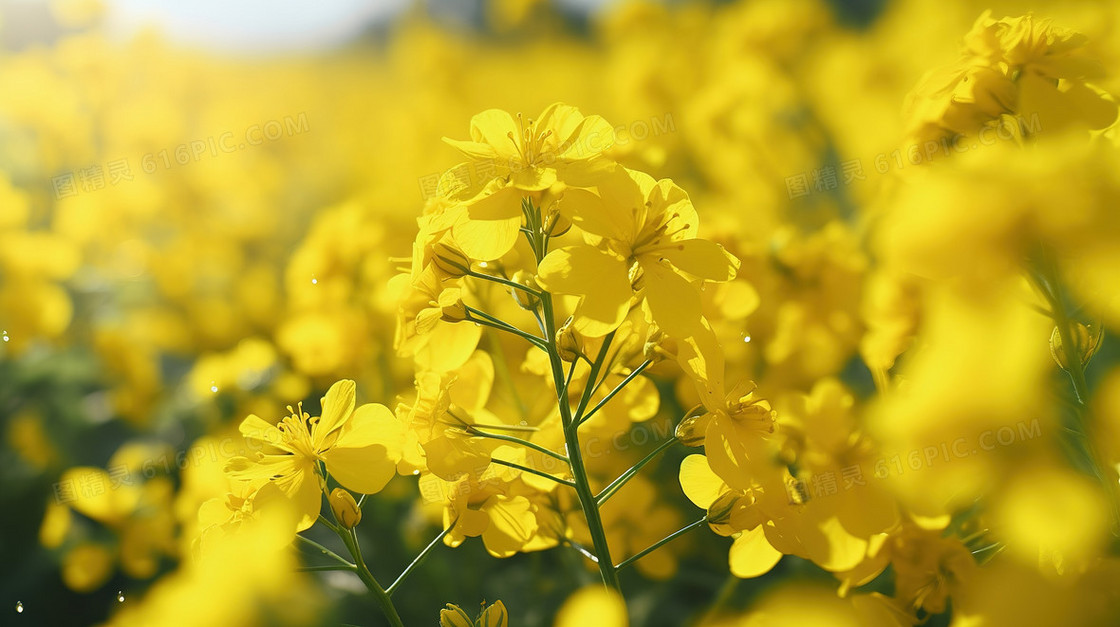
(449, 260)
(558, 224)
(694, 427)
(719, 513)
(524, 299)
(453, 616)
(345, 508)
(451, 306)
(568, 342)
(1086, 340)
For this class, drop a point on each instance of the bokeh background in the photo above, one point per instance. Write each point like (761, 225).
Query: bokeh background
(201, 205)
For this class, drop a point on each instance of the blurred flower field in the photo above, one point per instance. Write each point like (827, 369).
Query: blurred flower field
(759, 313)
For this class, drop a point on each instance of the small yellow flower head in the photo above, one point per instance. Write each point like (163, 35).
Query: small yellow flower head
(524, 299)
(345, 508)
(1086, 340)
(449, 260)
(568, 342)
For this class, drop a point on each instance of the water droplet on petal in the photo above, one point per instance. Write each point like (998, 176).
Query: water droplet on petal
(19, 604)
(415, 472)
(120, 596)
(213, 387)
(746, 338)
(314, 281)
(482, 264)
(6, 338)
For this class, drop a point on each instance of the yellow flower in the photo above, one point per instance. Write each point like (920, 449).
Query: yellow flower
(734, 425)
(529, 154)
(642, 239)
(426, 328)
(526, 157)
(359, 447)
(1018, 66)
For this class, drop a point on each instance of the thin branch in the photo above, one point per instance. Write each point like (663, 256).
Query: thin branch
(420, 558)
(617, 484)
(592, 377)
(509, 438)
(618, 388)
(316, 569)
(657, 545)
(504, 281)
(481, 317)
(325, 551)
(533, 471)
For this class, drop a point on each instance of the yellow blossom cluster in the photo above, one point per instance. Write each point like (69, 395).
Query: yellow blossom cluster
(762, 312)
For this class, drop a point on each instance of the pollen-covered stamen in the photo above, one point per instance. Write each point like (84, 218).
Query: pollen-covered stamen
(529, 145)
(297, 430)
(660, 232)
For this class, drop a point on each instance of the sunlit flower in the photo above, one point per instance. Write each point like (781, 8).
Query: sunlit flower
(358, 447)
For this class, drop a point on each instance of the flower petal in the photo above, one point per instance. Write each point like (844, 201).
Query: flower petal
(673, 301)
(365, 456)
(702, 258)
(751, 554)
(512, 524)
(598, 277)
(700, 484)
(338, 404)
(256, 429)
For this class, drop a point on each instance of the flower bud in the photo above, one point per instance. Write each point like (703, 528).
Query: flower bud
(1086, 340)
(524, 299)
(345, 508)
(557, 225)
(453, 616)
(449, 260)
(451, 306)
(568, 342)
(694, 427)
(719, 512)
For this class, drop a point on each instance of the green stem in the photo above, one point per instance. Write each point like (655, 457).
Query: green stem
(504, 281)
(324, 550)
(615, 485)
(533, 471)
(571, 440)
(657, 545)
(1050, 284)
(590, 386)
(419, 558)
(509, 438)
(618, 388)
(521, 428)
(316, 569)
(350, 539)
(580, 549)
(486, 319)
